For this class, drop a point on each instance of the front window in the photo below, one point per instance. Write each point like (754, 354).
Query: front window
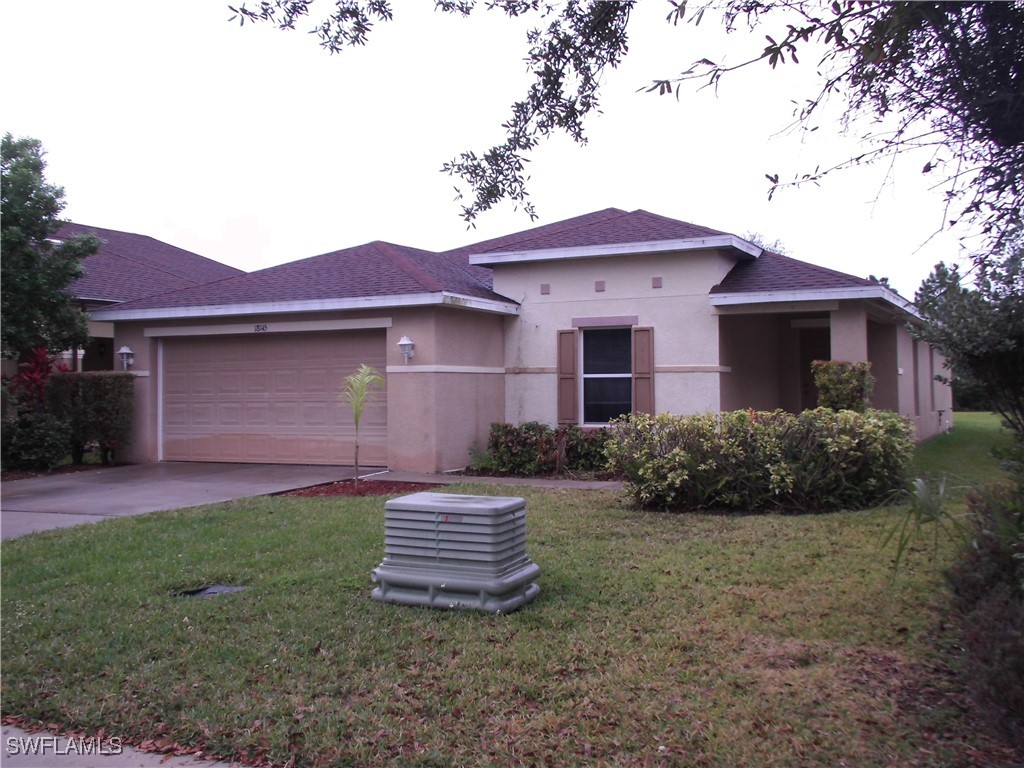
(607, 374)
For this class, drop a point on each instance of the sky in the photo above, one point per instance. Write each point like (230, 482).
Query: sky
(255, 147)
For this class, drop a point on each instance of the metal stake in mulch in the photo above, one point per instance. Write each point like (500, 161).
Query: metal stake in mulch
(451, 551)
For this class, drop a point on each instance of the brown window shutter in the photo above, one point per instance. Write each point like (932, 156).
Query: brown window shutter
(568, 377)
(643, 370)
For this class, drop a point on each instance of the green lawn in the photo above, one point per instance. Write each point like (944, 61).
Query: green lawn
(658, 639)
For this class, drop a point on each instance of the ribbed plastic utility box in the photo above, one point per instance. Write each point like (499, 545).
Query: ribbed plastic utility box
(444, 550)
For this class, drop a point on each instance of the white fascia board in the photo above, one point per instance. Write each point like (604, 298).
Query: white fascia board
(819, 294)
(616, 249)
(317, 305)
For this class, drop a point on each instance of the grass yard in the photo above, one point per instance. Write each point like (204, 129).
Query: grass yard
(696, 640)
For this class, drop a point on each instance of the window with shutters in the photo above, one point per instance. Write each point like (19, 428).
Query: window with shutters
(604, 373)
(607, 374)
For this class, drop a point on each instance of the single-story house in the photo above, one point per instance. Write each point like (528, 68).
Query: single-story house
(126, 267)
(568, 323)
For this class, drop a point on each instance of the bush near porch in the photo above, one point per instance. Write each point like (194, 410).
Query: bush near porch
(533, 448)
(818, 460)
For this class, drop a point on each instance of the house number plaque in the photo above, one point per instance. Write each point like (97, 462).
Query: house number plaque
(260, 328)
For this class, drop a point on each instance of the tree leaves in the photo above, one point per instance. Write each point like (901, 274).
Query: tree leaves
(36, 269)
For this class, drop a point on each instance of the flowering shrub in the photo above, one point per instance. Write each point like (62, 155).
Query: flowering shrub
(754, 460)
(843, 386)
(533, 448)
(27, 388)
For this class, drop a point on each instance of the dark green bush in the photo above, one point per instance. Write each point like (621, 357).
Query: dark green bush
(752, 460)
(37, 441)
(533, 448)
(987, 582)
(98, 407)
(843, 386)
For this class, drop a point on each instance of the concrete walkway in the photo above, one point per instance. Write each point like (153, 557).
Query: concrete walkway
(60, 501)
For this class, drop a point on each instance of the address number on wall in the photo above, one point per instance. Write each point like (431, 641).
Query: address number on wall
(260, 328)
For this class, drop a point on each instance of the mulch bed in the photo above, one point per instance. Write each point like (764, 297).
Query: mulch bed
(366, 488)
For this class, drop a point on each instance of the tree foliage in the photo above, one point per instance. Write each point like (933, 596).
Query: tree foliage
(37, 270)
(942, 78)
(980, 329)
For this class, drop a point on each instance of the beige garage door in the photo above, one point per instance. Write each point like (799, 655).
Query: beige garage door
(271, 398)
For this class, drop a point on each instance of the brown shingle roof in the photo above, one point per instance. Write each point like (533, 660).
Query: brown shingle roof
(371, 270)
(129, 266)
(634, 227)
(775, 272)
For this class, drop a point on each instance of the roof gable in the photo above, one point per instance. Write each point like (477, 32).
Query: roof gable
(615, 227)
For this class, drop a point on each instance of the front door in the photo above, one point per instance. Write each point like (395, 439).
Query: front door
(815, 344)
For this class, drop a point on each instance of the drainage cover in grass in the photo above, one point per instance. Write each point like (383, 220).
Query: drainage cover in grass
(216, 589)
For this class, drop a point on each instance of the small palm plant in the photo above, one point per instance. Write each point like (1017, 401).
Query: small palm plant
(356, 387)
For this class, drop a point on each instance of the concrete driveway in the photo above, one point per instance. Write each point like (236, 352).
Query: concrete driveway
(59, 501)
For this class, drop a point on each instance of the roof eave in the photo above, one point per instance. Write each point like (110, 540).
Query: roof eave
(439, 298)
(745, 250)
(863, 292)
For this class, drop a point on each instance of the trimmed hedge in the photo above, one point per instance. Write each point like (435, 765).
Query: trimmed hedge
(98, 408)
(34, 441)
(819, 460)
(533, 448)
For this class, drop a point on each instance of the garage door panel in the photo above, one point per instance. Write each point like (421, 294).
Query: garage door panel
(272, 398)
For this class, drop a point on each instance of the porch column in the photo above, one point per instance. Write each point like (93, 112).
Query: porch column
(849, 333)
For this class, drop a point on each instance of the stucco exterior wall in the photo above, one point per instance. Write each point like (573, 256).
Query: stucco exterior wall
(563, 294)
(442, 403)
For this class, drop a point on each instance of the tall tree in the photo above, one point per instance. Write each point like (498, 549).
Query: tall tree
(979, 327)
(36, 269)
(944, 79)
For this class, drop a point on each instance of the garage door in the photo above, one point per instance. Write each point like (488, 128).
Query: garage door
(271, 398)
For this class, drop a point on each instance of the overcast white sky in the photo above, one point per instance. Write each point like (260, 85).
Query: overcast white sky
(255, 147)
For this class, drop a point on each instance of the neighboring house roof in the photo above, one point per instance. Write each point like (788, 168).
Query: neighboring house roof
(376, 274)
(129, 266)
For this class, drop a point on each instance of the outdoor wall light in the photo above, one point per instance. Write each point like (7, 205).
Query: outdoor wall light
(406, 344)
(127, 357)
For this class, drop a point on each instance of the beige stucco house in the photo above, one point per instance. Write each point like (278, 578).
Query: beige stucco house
(573, 323)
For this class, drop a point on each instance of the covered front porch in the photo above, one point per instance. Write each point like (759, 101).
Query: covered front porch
(767, 348)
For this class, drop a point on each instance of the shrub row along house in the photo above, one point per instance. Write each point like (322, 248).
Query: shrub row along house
(574, 322)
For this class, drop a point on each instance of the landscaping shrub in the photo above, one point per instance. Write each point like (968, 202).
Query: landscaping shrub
(34, 440)
(843, 386)
(533, 448)
(987, 582)
(98, 408)
(755, 460)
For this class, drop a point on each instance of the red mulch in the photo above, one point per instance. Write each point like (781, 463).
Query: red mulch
(366, 488)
